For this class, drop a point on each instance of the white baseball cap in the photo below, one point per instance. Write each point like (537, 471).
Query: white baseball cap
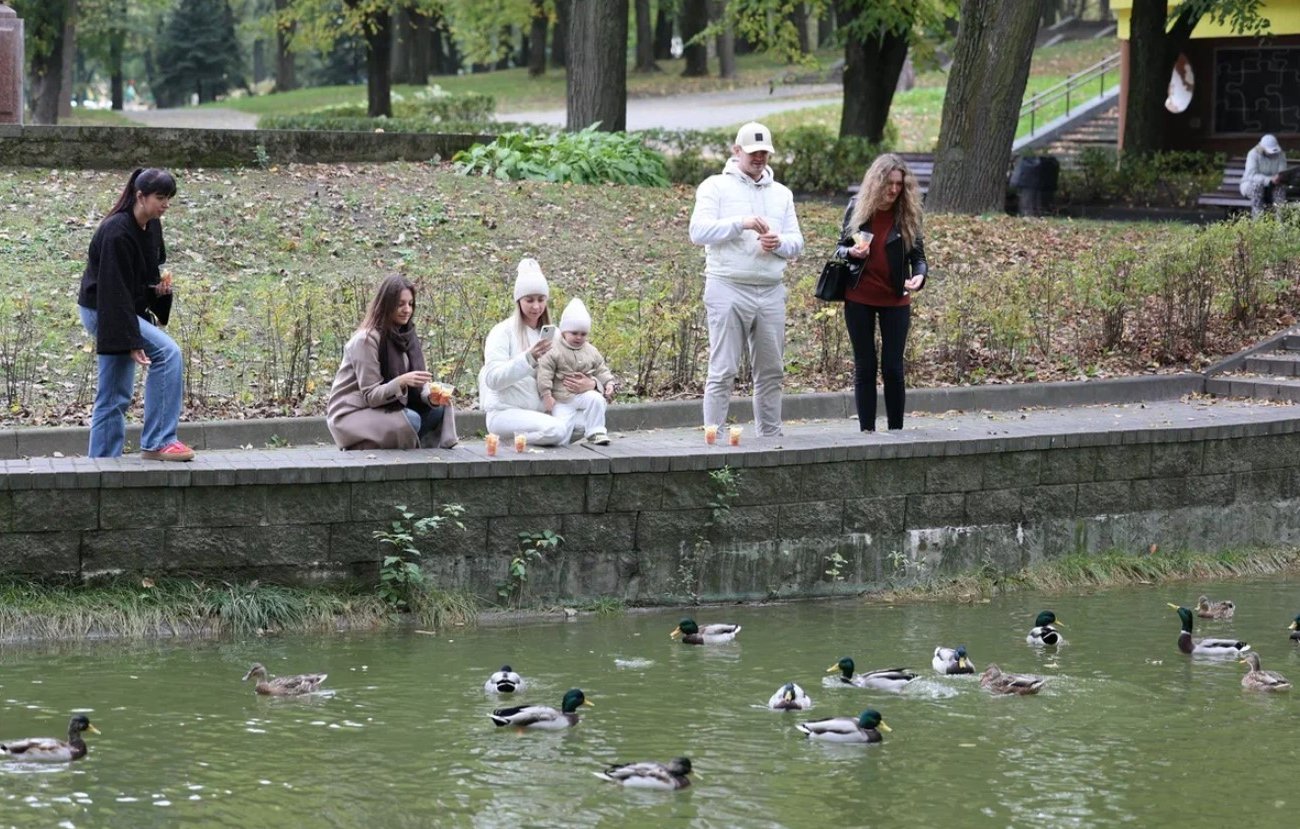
(1269, 145)
(753, 137)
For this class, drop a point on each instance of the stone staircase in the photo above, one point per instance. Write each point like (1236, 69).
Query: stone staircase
(1270, 373)
(1100, 131)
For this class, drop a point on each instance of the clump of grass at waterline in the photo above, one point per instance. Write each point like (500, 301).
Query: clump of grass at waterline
(185, 608)
(1077, 571)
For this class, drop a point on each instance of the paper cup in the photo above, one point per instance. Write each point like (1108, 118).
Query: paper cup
(521, 443)
(491, 442)
(733, 435)
(710, 435)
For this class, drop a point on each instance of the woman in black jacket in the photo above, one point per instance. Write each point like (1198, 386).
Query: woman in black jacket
(881, 239)
(124, 303)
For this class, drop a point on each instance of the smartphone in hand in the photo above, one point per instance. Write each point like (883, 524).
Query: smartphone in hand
(548, 332)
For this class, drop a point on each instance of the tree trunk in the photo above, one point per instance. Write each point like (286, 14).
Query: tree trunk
(726, 41)
(826, 25)
(596, 88)
(537, 40)
(1103, 10)
(645, 39)
(285, 77)
(47, 80)
(115, 80)
(421, 64)
(69, 59)
(1153, 49)
(560, 34)
(379, 50)
(871, 70)
(695, 19)
(799, 17)
(663, 33)
(986, 85)
(400, 66)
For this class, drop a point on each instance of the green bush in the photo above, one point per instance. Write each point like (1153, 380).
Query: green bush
(1165, 179)
(812, 160)
(432, 102)
(359, 123)
(587, 157)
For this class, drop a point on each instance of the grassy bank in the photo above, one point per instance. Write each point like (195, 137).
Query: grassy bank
(1082, 573)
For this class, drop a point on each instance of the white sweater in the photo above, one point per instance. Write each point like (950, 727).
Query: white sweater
(722, 203)
(508, 379)
(1260, 169)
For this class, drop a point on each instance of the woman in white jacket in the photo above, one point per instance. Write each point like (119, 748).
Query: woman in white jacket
(507, 385)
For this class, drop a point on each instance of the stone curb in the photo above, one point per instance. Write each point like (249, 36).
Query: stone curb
(306, 431)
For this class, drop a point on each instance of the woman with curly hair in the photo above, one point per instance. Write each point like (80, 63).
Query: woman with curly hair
(881, 239)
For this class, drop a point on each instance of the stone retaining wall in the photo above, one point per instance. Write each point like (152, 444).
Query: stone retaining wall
(632, 525)
(128, 147)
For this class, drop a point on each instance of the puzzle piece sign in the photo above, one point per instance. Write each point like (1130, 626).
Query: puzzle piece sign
(1257, 90)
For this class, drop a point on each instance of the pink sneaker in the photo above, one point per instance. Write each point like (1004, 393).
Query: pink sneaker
(174, 451)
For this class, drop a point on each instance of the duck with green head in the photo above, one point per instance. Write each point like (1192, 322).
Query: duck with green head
(714, 634)
(951, 661)
(1295, 629)
(1207, 646)
(1044, 631)
(865, 729)
(52, 749)
(543, 717)
(789, 697)
(648, 775)
(893, 680)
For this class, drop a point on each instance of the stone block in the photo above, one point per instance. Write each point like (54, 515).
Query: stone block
(378, 500)
(36, 510)
(40, 553)
(1169, 459)
(469, 538)
(935, 510)
(1105, 498)
(127, 509)
(503, 530)
(845, 479)
(1011, 469)
(875, 516)
(1121, 463)
(1246, 453)
(745, 524)
(669, 530)
(1207, 490)
(894, 476)
(1067, 466)
(598, 490)
(308, 503)
(130, 550)
(207, 549)
(224, 506)
(479, 496)
(605, 531)
(6, 511)
(810, 519)
(993, 506)
(1263, 484)
(357, 542)
(1042, 503)
(633, 491)
(1157, 494)
(687, 490)
(549, 495)
(771, 485)
(961, 474)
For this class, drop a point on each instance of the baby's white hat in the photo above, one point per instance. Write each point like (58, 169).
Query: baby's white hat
(575, 317)
(530, 280)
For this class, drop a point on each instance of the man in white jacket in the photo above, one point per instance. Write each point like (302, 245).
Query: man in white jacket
(746, 222)
(1261, 182)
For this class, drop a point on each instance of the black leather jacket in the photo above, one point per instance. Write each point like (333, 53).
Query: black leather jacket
(903, 262)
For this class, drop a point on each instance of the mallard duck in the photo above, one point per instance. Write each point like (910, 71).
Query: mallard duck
(950, 661)
(1294, 627)
(543, 716)
(881, 679)
(283, 686)
(1207, 609)
(1044, 631)
(504, 681)
(1207, 646)
(1257, 679)
(865, 729)
(693, 634)
(789, 697)
(647, 775)
(51, 749)
(1000, 683)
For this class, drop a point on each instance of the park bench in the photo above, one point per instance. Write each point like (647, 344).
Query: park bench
(921, 165)
(1228, 196)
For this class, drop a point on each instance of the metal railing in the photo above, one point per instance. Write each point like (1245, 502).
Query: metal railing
(1072, 87)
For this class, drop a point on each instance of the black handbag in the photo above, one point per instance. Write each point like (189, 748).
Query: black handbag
(834, 281)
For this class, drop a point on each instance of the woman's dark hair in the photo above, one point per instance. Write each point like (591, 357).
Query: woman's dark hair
(380, 314)
(148, 180)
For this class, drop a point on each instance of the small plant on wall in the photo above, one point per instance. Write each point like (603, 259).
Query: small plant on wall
(533, 548)
(724, 486)
(402, 583)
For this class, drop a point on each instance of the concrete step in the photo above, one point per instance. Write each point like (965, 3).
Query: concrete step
(1260, 387)
(1275, 363)
(1291, 342)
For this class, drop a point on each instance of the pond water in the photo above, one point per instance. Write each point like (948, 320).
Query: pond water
(1128, 731)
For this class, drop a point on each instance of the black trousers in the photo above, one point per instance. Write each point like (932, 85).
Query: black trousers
(894, 322)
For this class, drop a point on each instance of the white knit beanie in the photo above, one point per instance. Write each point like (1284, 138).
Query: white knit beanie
(530, 280)
(575, 317)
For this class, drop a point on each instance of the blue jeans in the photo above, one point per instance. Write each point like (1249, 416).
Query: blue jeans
(164, 388)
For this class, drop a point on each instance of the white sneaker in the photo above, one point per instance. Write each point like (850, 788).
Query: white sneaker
(598, 439)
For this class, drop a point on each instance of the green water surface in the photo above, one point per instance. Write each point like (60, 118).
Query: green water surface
(1128, 732)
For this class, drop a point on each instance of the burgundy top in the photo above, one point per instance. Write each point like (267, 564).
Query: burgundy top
(874, 287)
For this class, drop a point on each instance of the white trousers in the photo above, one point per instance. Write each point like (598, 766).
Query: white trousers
(743, 316)
(539, 428)
(586, 410)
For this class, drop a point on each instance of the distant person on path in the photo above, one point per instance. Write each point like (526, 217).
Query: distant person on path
(125, 300)
(1262, 181)
(747, 224)
(574, 355)
(881, 238)
(381, 397)
(507, 384)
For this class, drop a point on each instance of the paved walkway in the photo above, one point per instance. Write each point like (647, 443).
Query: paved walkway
(193, 118)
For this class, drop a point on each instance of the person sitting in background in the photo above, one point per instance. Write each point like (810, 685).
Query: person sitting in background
(573, 355)
(380, 397)
(1262, 181)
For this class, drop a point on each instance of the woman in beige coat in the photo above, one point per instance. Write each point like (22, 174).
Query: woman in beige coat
(380, 396)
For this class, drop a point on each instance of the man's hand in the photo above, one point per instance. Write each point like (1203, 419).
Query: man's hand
(757, 224)
(769, 241)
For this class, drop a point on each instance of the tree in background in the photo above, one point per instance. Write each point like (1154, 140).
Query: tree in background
(995, 43)
(596, 89)
(695, 24)
(1155, 41)
(645, 39)
(49, 29)
(198, 54)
